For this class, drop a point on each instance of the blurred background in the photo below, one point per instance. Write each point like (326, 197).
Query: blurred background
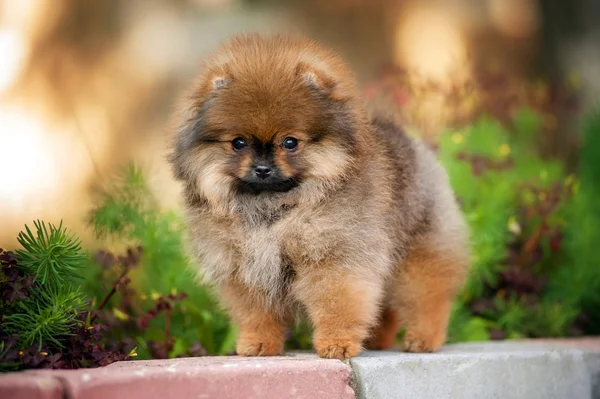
(505, 91)
(87, 86)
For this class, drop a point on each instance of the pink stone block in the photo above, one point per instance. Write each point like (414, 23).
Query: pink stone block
(29, 386)
(212, 377)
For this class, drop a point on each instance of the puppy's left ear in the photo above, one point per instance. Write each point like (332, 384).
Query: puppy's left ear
(318, 79)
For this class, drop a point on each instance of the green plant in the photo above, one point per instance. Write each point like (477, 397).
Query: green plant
(45, 316)
(53, 255)
(50, 301)
(127, 214)
(46, 322)
(579, 284)
(517, 205)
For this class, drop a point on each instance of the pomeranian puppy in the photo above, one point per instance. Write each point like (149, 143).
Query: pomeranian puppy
(298, 202)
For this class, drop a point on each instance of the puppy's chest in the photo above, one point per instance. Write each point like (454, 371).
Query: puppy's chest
(263, 257)
(261, 247)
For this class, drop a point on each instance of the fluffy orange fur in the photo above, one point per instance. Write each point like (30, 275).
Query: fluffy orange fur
(355, 227)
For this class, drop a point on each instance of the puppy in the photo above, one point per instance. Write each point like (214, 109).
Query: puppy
(298, 202)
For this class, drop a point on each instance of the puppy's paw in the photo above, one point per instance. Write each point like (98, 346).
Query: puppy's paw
(247, 347)
(337, 348)
(422, 343)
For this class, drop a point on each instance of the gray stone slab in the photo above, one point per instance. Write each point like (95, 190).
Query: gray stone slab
(480, 370)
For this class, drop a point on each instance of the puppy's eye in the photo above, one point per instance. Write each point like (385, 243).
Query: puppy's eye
(289, 143)
(239, 143)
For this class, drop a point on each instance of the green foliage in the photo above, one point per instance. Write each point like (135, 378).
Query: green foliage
(53, 255)
(50, 303)
(579, 284)
(467, 328)
(45, 316)
(551, 319)
(127, 213)
(511, 314)
(124, 207)
(301, 337)
(473, 330)
(507, 191)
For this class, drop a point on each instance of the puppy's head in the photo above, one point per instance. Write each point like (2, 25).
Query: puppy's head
(268, 115)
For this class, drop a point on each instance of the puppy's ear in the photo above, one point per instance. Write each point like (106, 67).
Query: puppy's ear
(219, 82)
(188, 124)
(318, 79)
(211, 83)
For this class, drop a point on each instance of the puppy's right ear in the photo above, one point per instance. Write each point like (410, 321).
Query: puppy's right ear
(209, 84)
(219, 82)
(206, 89)
(188, 125)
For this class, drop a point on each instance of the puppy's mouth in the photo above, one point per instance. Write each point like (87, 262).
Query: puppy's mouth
(258, 187)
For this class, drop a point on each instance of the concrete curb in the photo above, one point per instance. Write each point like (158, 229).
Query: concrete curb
(481, 370)
(528, 369)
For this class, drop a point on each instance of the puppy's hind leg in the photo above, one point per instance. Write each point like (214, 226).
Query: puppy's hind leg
(383, 336)
(425, 287)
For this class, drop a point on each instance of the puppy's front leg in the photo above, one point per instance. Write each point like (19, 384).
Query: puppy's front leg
(261, 327)
(342, 306)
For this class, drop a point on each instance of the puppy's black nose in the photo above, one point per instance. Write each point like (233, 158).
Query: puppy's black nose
(262, 171)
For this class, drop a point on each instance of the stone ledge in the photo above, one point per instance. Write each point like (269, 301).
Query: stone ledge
(26, 386)
(528, 369)
(297, 376)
